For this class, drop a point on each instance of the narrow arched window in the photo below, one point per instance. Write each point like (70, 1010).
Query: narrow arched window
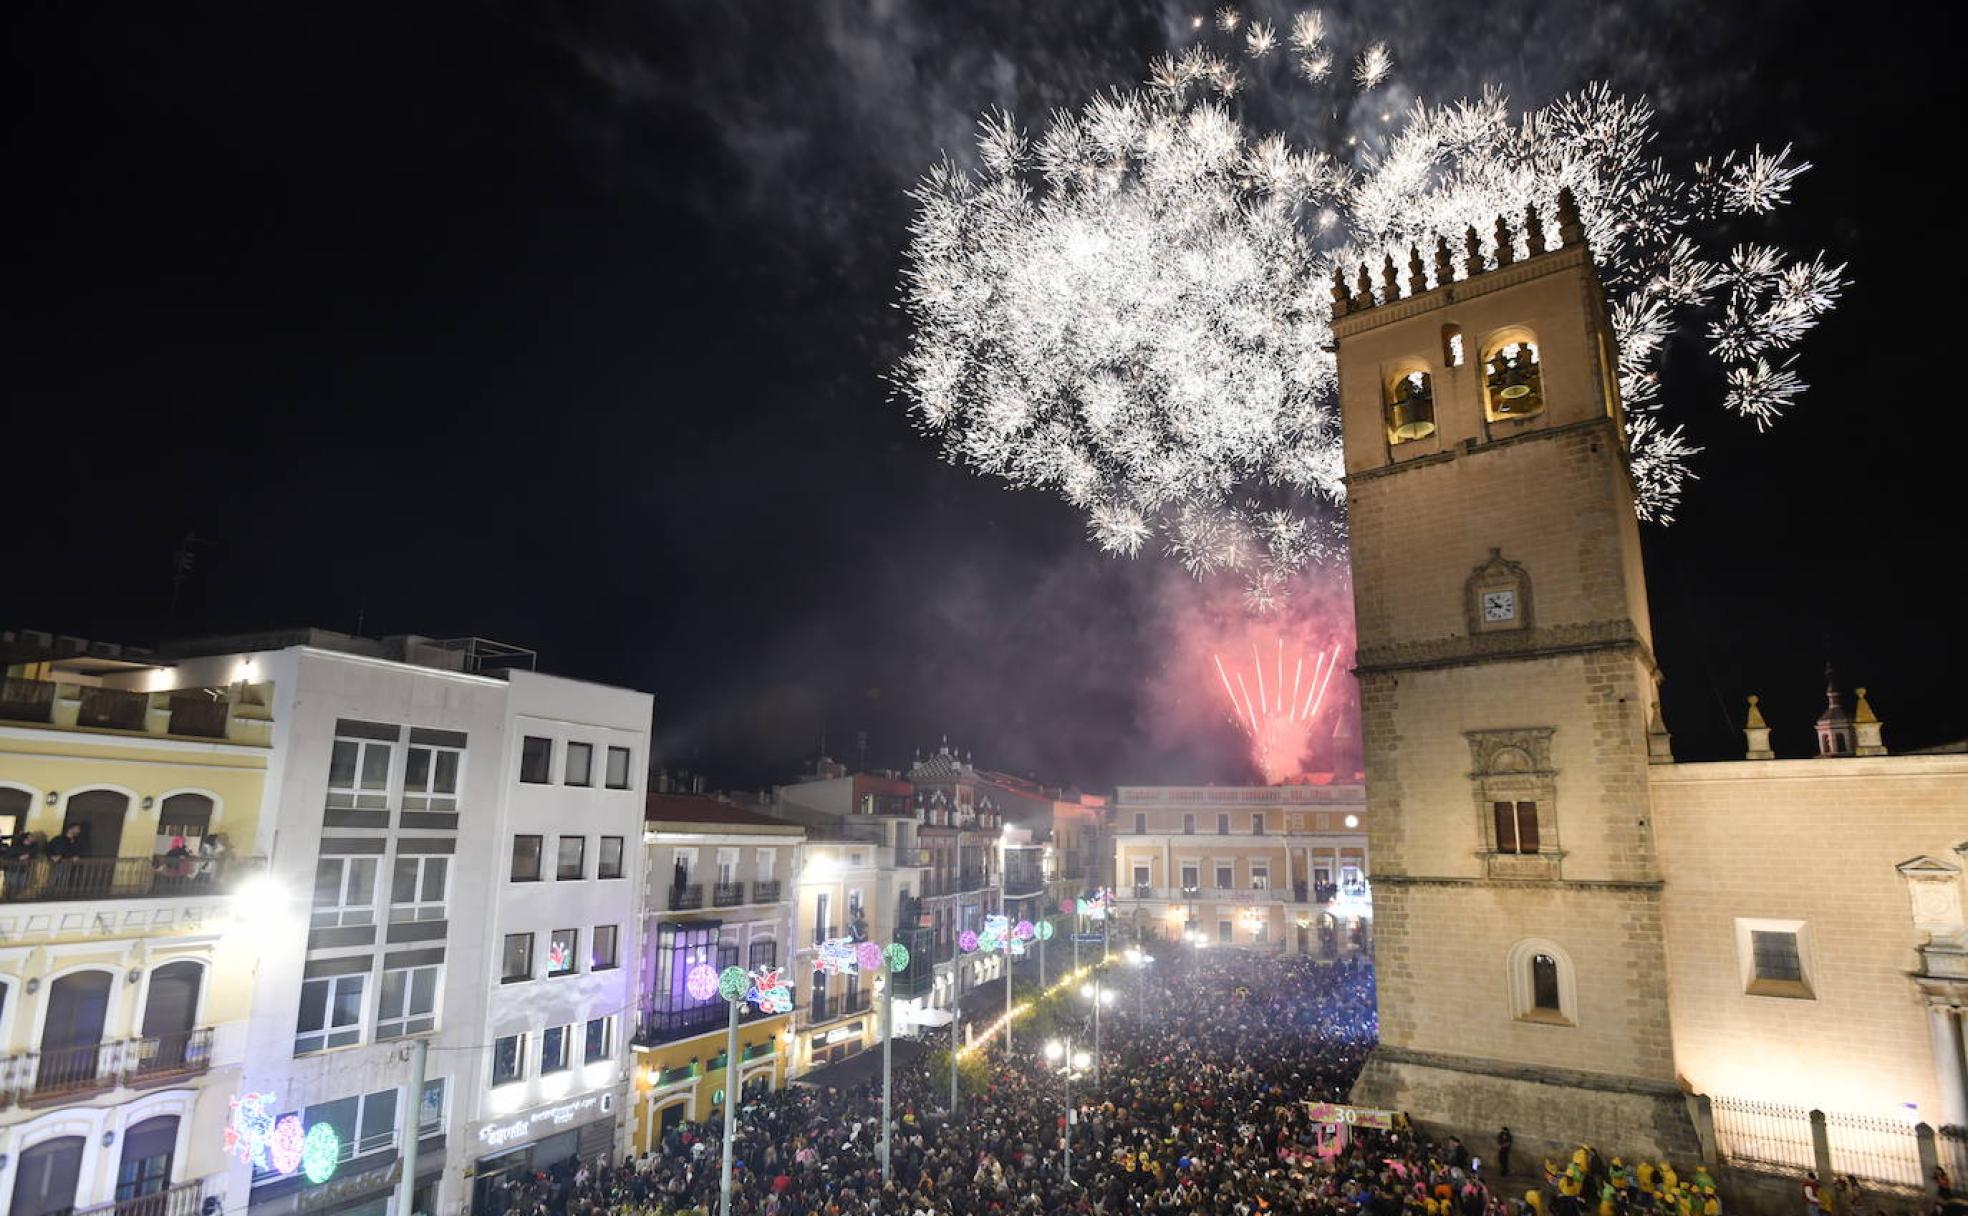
(1513, 381)
(1544, 983)
(1453, 354)
(1410, 408)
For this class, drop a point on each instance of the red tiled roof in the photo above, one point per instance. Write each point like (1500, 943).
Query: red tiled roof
(697, 808)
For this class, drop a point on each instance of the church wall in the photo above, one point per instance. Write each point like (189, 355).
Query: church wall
(1816, 841)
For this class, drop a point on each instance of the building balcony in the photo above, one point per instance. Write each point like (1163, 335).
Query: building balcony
(973, 880)
(727, 894)
(42, 1078)
(184, 1199)
(686, 897)
(766, 891)
(657, 1026)
(237, 714)
(94, 878)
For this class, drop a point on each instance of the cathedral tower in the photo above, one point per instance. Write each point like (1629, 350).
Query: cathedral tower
(1506, 677)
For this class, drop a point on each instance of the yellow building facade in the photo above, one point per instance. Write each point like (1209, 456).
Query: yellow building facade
(126, 976)
(1278, 867)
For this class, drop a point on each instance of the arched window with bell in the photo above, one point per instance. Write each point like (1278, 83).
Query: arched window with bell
(1513, 379)
(1410, 406)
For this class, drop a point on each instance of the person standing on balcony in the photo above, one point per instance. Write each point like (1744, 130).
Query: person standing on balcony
(62, 853)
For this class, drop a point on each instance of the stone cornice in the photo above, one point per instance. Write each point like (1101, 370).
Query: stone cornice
(1644, 886)
(1476, 447)
(1361, 320)
(1544, 643)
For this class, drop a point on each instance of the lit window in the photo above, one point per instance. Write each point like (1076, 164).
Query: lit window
(1452, 350)
(561, 951)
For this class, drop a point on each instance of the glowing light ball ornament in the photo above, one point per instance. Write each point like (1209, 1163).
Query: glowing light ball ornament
(1045, 930)
(321, 1152)
(288, 1147)
(868, 956)
(702, 982)
(898, 957)
(1023, 931)
(733, 983)
(967, 941)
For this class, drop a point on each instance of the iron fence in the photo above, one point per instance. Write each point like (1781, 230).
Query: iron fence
(1768, 1135)
(184, 1199)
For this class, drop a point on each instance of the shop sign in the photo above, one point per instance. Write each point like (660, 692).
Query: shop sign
(1331, 1113)
(500, 1133)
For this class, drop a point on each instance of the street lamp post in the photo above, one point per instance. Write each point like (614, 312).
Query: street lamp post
(1099, 994)
(1062, 1054)
(739, 987)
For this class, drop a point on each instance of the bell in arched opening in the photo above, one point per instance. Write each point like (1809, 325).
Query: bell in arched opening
(1515, 381)
(1411, 408)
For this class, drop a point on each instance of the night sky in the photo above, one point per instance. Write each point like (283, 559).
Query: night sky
(568, 328)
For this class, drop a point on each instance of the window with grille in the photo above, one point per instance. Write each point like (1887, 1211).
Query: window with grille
(1516, 826)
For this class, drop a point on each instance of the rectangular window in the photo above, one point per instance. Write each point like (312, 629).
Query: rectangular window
(1191, 876)
(764, 952)
(608, 863)
(1260, 876)
(518, 958)
(727, 956)
(1223, 824)
(526, 859)
(1775, 956)
(1223, 931)
(602, 957)
(408, 1002)
(562, 951)
(1140, 876)
(727, 865)
(430, 777)
(822, 903)
(618, 768)
(573, 860)
(362, 1125)
(1257, 824)
(509, 1059)
(1189, 823)
(344, 892)
(417, 887)
(762, 863)
(536, 760)
(430, 1112)
(1140, 824)
(554, 1050)
(359, 766)
(580, 764)
(1224, 879)
(331, 1013)
(601, 1040)
(1516, 826)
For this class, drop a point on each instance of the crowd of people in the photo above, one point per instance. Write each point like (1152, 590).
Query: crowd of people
(1205, 1106)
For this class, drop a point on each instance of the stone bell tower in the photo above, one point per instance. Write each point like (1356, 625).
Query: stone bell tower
(1506, 679)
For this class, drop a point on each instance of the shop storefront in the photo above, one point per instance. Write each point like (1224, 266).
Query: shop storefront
(514, 1146)
(833, 1046)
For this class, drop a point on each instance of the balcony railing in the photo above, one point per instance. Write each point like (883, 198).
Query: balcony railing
(33, 1078)
(686, 896)
(113, 708)
(728, 894)
(40, 880)
(184, 1199)
(155, 1059)
(663, 1025)
(972, 880)
(27, 700)
(765, 891)
(856, 1003)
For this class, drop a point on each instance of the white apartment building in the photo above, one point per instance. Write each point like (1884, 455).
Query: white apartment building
(449, 857)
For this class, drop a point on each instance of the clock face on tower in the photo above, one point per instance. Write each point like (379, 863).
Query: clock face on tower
(1499, 606)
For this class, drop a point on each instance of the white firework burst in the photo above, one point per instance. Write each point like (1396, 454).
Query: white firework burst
(1130, 308)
